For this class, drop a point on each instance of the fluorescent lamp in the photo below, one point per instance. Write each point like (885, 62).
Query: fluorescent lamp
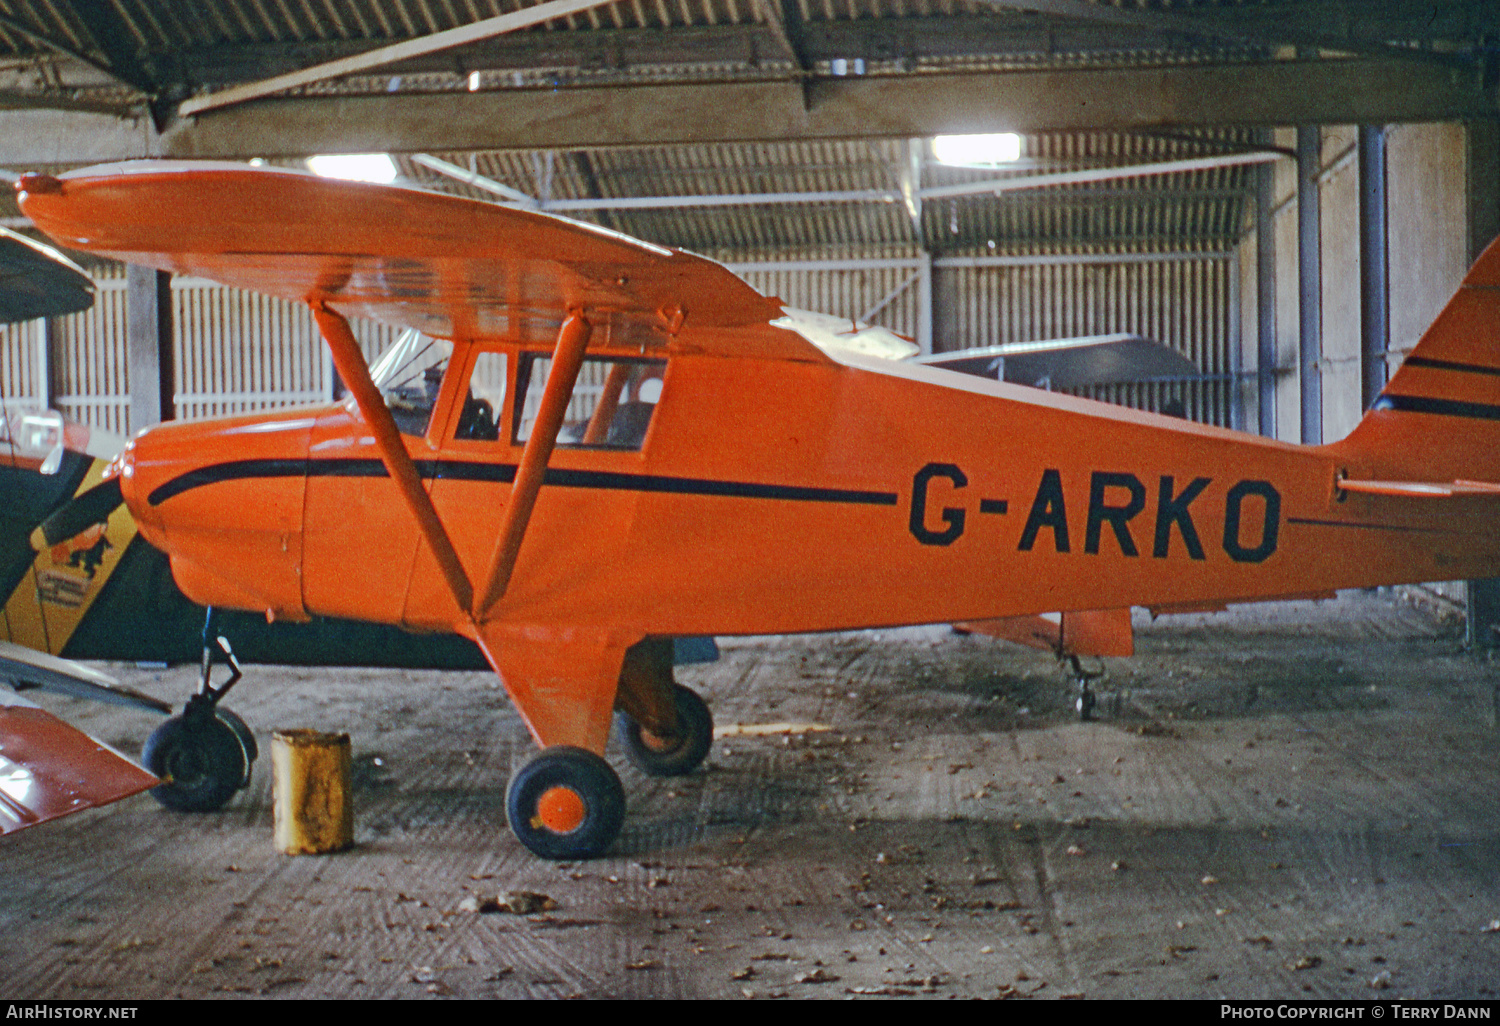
(977, 150)
(355, 167)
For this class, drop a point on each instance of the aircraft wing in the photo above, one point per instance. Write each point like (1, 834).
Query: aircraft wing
(1069, 362)
(449, 267)
(38, 281)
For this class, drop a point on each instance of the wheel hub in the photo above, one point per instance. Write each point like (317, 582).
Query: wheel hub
(658, 743)
(186, 765)
(560, 810)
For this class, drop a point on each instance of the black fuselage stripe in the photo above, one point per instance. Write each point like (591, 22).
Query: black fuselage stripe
(1452, 365)
(236, 470)
(1367, 527)
(505, 473)
(1440, 407)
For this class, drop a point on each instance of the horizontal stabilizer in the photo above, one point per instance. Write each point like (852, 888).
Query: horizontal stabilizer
(1214, 606)
(1421, 489)
(1091, 632)
(25, 669)
(49, 769)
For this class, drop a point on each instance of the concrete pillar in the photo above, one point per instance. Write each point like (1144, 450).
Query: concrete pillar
(945, 310)
(924, 305)
(149, 346)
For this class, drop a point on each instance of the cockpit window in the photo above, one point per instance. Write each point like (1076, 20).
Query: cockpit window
(610, 408)
(409, 375)
(479, 419)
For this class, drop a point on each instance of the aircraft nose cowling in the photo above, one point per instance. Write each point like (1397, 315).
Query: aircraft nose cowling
(224, 500)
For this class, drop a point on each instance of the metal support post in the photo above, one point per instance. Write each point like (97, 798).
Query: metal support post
(1265, 298)
(924, 305)
(1483, 203)
(1310, 281)
(1374, 284)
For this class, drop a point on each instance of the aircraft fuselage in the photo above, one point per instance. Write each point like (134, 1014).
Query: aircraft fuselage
(775, 496)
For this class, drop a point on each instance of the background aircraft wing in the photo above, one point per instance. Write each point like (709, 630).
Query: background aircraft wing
(449, 267)
(49, 769)
(1070, 362)
(38, 281)
(26, 669)
(1423, 489)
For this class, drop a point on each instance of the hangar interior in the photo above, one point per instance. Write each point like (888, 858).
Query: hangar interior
(1287, 212)
(1285, 191)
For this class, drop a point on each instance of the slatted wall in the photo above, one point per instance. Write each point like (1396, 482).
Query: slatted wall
(239, 351)
(1187, 304)
(236, 351)
(18, 360)
(87, 359)
(880, 292)
(1187, 301)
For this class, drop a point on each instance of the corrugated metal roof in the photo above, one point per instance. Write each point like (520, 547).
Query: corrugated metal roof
(1197, 208)
(172, 47)
(168, 50)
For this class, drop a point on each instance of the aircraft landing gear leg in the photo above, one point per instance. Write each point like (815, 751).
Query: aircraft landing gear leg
(566, 803)
(206, 754)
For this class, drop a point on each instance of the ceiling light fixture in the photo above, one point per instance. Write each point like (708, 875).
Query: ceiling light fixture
(977, 150)
(355, 167)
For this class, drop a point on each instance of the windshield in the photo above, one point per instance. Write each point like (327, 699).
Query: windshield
(409, 375)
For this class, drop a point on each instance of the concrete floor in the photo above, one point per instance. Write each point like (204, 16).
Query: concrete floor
(1296, 800)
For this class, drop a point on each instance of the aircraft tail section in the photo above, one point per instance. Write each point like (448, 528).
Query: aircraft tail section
(1436, 424)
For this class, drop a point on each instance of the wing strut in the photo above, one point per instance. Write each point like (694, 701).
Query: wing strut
(356, 374)
(567, 358)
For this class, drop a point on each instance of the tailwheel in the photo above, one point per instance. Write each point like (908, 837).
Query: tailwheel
(566, 803)
(201, 758)
(1086, 700)
(671, 756)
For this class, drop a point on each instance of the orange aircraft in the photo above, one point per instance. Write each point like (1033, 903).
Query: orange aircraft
(613, 444)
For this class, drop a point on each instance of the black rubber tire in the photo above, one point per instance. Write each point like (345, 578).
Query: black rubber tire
(697, 726)
(586, 775)
(202, 760)
(247, 740)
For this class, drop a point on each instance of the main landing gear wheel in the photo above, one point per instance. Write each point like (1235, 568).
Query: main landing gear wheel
(247, 739)
(566, 803)
(202, 760)
(671, 757)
